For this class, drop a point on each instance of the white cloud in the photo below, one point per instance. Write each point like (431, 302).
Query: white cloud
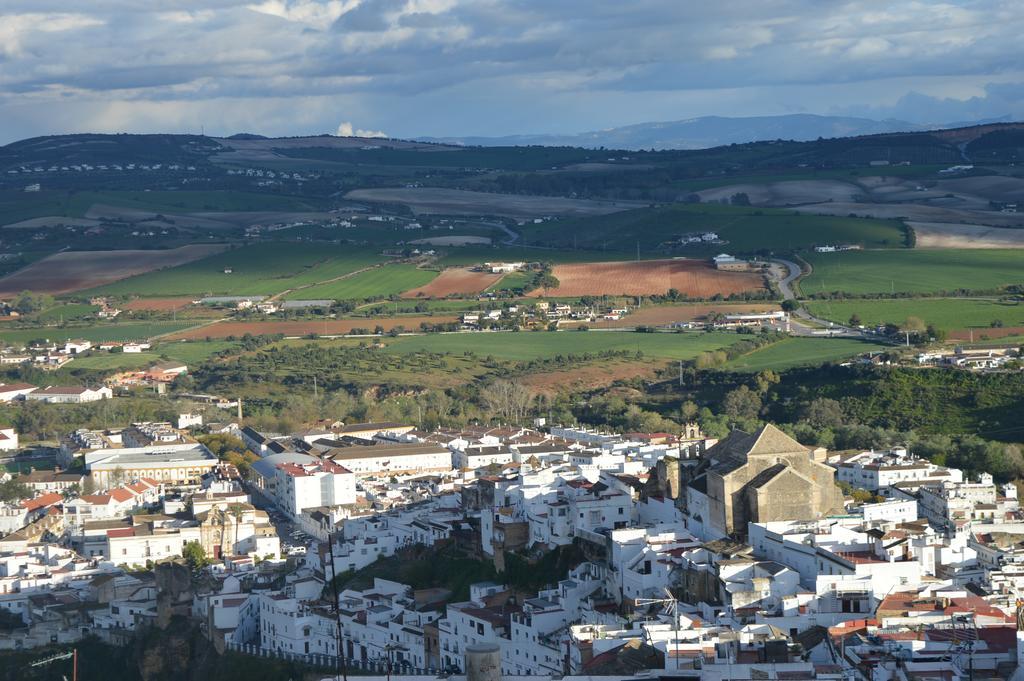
(345, 129)
(496, 66)
(15, 28)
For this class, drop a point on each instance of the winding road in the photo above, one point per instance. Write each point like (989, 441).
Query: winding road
(787, 289)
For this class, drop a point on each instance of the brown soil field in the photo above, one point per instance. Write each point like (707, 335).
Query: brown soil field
(949, 235)
(330, 327)
(462, 202)
(667, 314)
(586, 377)
(453, 281)
(965, 334)
(76, 270)
(695, 278)
(158, 304)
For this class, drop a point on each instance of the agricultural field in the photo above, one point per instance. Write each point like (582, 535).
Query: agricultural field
(193, 352)
(97, 334)
(157, 304)
(115, 361)
(76, 270)
(264, 268)
(322, 327)
(18, 207)
(64, 313)
(376, 282)
(794, 352)
(455, 281)
(913, 271)
(474, 255)
(744, 230)
(528, 345)
(694, 278)
(460, 202)
(511, 282)
(946, 314)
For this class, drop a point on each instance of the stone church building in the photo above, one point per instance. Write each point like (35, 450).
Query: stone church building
(759, 477)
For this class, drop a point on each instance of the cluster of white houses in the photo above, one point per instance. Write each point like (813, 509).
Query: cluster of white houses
(733, 559)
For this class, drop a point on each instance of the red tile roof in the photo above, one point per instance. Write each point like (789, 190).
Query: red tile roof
(42, 501)
(121, 494)
(123, 532)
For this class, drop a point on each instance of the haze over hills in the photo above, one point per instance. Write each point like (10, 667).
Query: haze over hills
(708, 131)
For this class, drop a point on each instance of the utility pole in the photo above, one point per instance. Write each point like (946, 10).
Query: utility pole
(315, 393)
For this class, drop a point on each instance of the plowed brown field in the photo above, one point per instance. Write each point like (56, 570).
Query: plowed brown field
(695, 278)
(329, 327)
(457, 280)
(158, 304)
(76, 270)
(976, 334)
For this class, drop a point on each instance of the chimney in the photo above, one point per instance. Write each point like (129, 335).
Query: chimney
(483, 662)
(239, 409)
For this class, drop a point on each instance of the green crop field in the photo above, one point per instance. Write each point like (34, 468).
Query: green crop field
(260, 269)
(844, 174)
(471, 255)
(97, 334)
(192, 352)
(512, 280)
(115, 361)
(913, 271)
(745, 230)
(528, 345)
(18, 206)
(380, 281)
(64, 313)
(944, 313)
(793, 352)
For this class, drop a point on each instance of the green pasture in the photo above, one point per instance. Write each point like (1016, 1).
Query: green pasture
(745, 229)
(528, 345)
(379, 281)
(943, 313)
(804, 351)
(258, 269)
(913, 271)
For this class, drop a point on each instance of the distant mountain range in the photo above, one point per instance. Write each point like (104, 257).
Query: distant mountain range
(709, 131)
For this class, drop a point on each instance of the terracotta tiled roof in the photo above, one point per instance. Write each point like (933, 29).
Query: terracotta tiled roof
(41, 501)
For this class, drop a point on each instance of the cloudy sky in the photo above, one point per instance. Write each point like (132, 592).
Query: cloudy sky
(494, 67)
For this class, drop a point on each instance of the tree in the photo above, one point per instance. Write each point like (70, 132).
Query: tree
(823, 412)
(508, 400)
(765, 379)
(548, 281)
(28, 302)
(220, 444)
(854, 320)
(739, 199)
(12, 490)
(789, 305)
(742, 403)
(913, 325)
(688, 411)
(195, 555)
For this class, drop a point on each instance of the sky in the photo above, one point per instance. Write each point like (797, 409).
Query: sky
(407, 68)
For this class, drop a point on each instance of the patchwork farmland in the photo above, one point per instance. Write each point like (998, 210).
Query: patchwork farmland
(693, 278)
